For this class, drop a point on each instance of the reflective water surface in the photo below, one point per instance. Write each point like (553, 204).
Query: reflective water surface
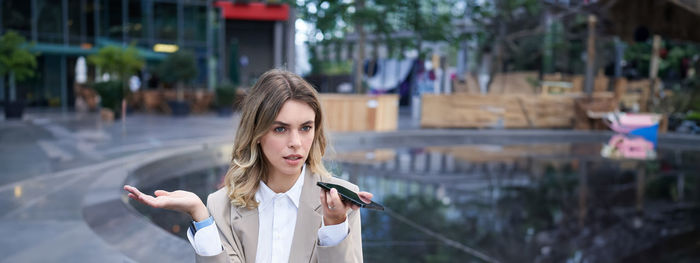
(510, 203)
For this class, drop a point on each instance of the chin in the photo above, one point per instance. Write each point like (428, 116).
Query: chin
(295, 169)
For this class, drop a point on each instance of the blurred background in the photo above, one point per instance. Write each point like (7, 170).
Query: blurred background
(492, 130)
(643, 53)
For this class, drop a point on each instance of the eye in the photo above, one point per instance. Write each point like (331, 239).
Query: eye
(279, 129)
(306, 128)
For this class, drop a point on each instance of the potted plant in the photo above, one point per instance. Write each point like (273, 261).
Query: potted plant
(18, 64)
(179, 68)
(120, 63)
(225, 97)
(111, 94)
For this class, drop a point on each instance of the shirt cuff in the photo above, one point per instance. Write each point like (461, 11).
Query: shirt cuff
(206, 240)
(332, 235)
(202, 224)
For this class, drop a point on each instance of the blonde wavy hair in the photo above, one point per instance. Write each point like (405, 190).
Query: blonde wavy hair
(259, 110)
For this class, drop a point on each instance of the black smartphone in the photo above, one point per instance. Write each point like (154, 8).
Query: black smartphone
(350, 196)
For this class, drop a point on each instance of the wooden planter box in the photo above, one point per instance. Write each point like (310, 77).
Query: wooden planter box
(593, 104)
(345, 113)
(496, 111)
(152, 100)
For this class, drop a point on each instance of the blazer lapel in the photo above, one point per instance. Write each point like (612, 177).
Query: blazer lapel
(308, 220)
(244, 222)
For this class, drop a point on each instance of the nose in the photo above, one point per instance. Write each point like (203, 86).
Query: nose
(294, 140)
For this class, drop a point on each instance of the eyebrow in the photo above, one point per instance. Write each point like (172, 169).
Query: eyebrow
(285, 124)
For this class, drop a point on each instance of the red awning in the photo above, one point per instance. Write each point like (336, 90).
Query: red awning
(254, 11)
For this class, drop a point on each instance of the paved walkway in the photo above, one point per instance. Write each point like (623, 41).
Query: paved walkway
(55, 166)
(48, 162)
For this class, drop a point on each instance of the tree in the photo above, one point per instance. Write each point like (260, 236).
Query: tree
(117, 61)
(179, 68)
(121, 63)
(15, 60)
(430, 20)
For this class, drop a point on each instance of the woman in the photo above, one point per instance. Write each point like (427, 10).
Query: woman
(270, 209)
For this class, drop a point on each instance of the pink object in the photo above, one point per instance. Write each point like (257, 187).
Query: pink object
(633, 148)
(624, 123)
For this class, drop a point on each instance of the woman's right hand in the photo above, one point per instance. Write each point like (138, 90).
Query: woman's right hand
(181, 201)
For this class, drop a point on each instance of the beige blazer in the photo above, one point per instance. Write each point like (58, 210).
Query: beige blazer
(238, 228)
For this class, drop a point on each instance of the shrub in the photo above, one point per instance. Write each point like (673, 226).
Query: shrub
(110, 94)
(225, 95)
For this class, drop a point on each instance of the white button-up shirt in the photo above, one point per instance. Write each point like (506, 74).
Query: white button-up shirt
(277, 216)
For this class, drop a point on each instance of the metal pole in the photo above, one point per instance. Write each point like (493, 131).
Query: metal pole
(654, 67)
(548, 52)
(222, 43)
(291, 38)
(64, 78)
(462, 60)
(211, 77)
(125, 22)
(149, 20)
(96, 13)
(13, 88)
(33, 22)
(277, 41)
(105, 16)
(360, 56)
(180, 23)
(619, 53)
(83, 25)
(64, 21)
(655, 59)
(64, 85)
(96, 28)
(590, 61)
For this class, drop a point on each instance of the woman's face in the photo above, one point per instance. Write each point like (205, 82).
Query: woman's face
(286, 145)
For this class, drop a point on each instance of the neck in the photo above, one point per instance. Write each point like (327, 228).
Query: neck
(281, 183)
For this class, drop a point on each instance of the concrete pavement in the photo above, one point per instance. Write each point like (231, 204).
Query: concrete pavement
(61, 174)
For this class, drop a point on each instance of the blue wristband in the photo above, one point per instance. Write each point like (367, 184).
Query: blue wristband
(202, 224)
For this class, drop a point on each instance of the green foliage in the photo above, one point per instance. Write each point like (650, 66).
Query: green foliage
(117, 61)
(178, 67)
(693, 116)
(225, 95)
(694, 101)
(429, 20)
(314, 61)
(328, 67)
(336, 67)
(110, 94)
(15, 57)
(512, 24)
(640, 55)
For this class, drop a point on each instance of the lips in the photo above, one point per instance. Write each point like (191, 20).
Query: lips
(293, 160)
(293, 157)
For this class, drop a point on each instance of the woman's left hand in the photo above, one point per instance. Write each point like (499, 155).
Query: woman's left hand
(334, 209)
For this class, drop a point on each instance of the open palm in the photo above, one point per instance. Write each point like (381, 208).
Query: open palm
(181, 201)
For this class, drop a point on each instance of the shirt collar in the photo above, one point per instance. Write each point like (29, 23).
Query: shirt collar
(264, 195)
(294, 193)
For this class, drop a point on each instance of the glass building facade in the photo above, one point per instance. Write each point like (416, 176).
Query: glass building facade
(63, 30)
